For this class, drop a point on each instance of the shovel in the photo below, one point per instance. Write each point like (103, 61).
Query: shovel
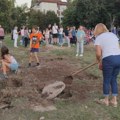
(68, 79)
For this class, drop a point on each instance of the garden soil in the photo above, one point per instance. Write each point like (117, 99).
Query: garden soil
(29, 82)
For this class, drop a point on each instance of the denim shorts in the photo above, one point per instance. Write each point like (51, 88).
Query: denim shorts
(34, 50)
(13, 66)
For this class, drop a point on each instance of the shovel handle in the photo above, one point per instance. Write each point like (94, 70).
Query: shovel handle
(84, 68)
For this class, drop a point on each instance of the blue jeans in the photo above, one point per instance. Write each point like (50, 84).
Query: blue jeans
(111, 68)
(61, 39)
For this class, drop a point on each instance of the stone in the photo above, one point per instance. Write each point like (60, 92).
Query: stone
(51, 91)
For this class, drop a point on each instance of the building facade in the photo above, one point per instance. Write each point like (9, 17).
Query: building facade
(51, 5)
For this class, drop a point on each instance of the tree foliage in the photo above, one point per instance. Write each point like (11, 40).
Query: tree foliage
(42, 19)
(85, 12)
(5, 12)
(91, 12)
(11, 16)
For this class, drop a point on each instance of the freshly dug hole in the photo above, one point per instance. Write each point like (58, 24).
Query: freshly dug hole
(68, 80)
(15, 82)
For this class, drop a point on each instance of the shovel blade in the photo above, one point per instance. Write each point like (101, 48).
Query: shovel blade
(68, 80)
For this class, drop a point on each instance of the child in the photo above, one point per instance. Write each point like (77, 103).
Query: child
(35, 38)
(80, 41)
(8, 61)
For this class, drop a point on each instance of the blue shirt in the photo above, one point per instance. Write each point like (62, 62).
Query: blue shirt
(73, 32)
(80, 33)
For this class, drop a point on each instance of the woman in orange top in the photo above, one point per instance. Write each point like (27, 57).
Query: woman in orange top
(35, 38)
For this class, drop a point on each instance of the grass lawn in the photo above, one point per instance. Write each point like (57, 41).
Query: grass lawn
(71, 109)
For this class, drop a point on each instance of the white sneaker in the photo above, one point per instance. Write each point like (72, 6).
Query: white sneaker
(76, 55)
(81, 55)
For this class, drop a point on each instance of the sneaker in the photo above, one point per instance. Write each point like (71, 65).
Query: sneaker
(76, 55)
(81, 55)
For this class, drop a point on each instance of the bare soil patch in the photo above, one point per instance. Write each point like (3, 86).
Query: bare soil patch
(31, 81)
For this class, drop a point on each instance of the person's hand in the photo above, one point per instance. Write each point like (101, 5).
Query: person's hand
(98, 61)
(100, 66)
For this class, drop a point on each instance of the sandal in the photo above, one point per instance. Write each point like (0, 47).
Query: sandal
(114, 104)
(102, 102)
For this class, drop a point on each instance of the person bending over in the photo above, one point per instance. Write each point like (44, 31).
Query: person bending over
(108, 56)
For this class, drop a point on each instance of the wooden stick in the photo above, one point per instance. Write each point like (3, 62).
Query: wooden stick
(84, 69)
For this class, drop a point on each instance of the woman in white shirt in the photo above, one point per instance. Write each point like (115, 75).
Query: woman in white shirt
(15, 36)
(108, 56)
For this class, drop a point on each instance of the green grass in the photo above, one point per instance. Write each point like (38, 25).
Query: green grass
(66, 110)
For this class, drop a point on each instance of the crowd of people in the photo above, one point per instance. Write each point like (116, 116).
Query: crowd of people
(57, 35)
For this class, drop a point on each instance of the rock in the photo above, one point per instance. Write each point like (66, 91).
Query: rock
(53, 90)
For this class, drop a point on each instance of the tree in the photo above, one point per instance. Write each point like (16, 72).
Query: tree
(70, 15)
(19, 16)
(42, 19)
(5, 12)
(91, 12)
(36, 18)
(11, 16)
(112, 8)
(51, 18)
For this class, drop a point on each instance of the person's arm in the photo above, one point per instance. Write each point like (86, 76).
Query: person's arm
(98, 53)
(7, 59)
(30, 36)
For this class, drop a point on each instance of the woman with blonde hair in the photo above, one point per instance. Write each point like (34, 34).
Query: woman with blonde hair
(108, 57)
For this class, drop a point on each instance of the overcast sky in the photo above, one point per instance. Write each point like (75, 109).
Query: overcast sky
(20, 2)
